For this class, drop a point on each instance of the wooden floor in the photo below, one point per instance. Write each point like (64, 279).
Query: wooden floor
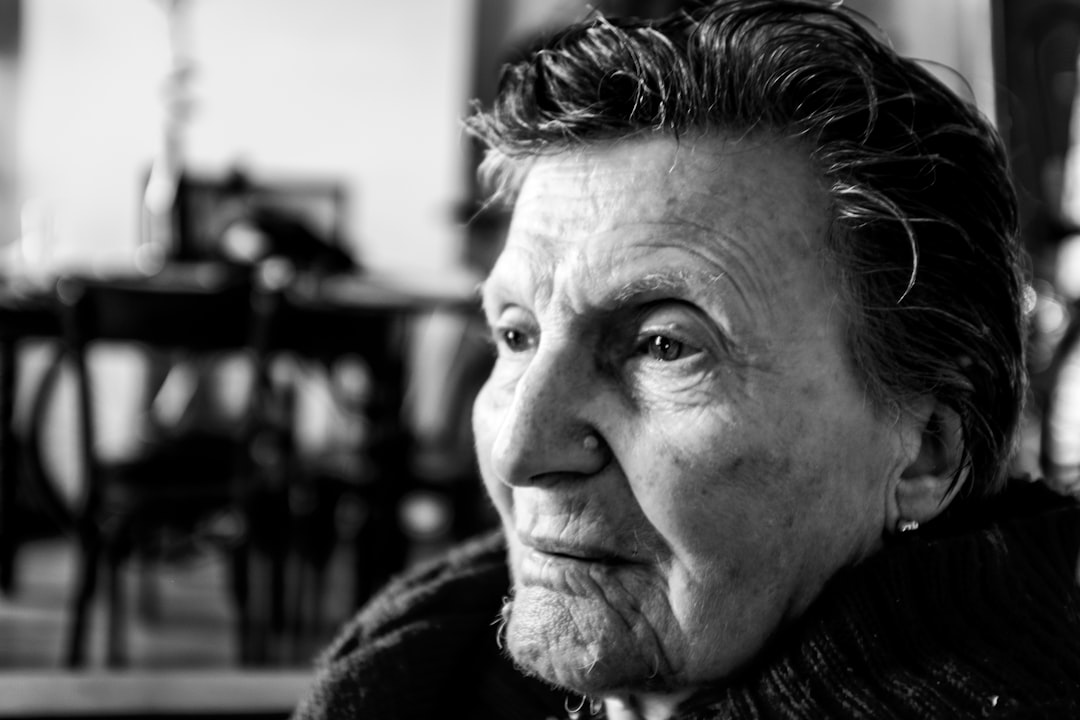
(214, 694)
(184, 664)
(193, 629)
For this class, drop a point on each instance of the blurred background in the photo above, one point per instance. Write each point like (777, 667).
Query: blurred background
(239, 241)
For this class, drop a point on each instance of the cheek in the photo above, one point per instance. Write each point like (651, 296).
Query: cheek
(486, 420)
(703, 501)
(718, 491)
(765, 506)
(735, 543)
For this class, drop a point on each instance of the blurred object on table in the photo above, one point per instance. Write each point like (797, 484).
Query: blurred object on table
(241, 220)
(162, 185)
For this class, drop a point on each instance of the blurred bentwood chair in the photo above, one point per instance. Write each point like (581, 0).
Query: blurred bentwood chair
(21, 319)
(350, 487)
(178, 481)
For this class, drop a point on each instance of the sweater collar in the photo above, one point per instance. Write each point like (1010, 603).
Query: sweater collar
(956, 617)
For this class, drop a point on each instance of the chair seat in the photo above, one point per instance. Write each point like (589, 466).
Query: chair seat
(191, 459)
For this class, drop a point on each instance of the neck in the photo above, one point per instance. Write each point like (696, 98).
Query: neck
(644, 707)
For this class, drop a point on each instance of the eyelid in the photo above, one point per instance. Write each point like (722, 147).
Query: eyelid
(512, 318)
(684, 322)
(518, 314)
(667, 314)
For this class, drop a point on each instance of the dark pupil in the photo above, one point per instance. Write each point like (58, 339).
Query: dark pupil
(513, 339)
(663, 348)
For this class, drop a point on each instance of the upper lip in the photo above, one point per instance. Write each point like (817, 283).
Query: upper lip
(577, 550)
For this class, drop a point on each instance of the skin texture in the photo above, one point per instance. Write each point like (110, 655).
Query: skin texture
(673, 300)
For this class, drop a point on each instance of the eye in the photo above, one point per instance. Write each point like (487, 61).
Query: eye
(514, 332)
(664, 349)
(514, 340)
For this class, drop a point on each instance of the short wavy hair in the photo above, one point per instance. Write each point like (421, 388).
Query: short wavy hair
(924, 220)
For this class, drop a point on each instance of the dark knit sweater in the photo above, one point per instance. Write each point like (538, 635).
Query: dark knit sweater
(977, 615)
(426, 648)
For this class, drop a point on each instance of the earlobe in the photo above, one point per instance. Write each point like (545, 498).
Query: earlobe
(930, 481)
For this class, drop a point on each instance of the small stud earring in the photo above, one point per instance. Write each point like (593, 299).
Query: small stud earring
(591, 442)
(906, 526)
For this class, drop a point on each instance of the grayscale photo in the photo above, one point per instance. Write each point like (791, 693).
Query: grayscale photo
(540, 359)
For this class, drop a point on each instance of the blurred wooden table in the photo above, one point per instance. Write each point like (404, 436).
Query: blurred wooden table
(30, 310)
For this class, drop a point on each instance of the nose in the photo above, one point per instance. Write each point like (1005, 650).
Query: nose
(548, 428)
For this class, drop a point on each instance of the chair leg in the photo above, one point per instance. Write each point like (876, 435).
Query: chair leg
(8, 467)
(256, 648)
(264, 635)
(315, 616)
(278, 590)
(149, 597)
(278, 556)
(306, 614)
(89, 559)
(295, 605)
(116, 647)
(241, 584)
(381, 548)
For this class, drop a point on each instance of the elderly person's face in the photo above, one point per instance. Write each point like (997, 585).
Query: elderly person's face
(675, 302)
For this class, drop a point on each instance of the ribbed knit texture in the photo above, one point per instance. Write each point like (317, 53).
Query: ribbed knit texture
(975, 616)
(969, 619)
(426, 648)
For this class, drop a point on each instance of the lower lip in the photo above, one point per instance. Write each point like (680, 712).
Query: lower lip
(541, 568)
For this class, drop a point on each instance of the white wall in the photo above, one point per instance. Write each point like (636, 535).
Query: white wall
(952, 36)
(366, 90)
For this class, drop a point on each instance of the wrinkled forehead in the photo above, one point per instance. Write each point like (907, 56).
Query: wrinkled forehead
(713, 184)
(736, 225)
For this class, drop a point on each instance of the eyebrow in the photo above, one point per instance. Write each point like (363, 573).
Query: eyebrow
(681, 282)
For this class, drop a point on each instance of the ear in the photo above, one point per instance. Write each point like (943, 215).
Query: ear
(926, 486)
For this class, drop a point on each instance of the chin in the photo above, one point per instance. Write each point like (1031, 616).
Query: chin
(575, 645)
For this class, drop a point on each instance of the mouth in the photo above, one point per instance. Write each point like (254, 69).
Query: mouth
(577, 552)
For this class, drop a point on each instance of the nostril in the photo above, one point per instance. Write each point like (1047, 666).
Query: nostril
(543, 429)
(547, 455)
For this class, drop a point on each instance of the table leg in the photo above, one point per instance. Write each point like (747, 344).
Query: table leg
(8, 467)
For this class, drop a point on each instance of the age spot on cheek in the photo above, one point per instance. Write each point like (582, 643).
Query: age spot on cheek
(810, 391)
